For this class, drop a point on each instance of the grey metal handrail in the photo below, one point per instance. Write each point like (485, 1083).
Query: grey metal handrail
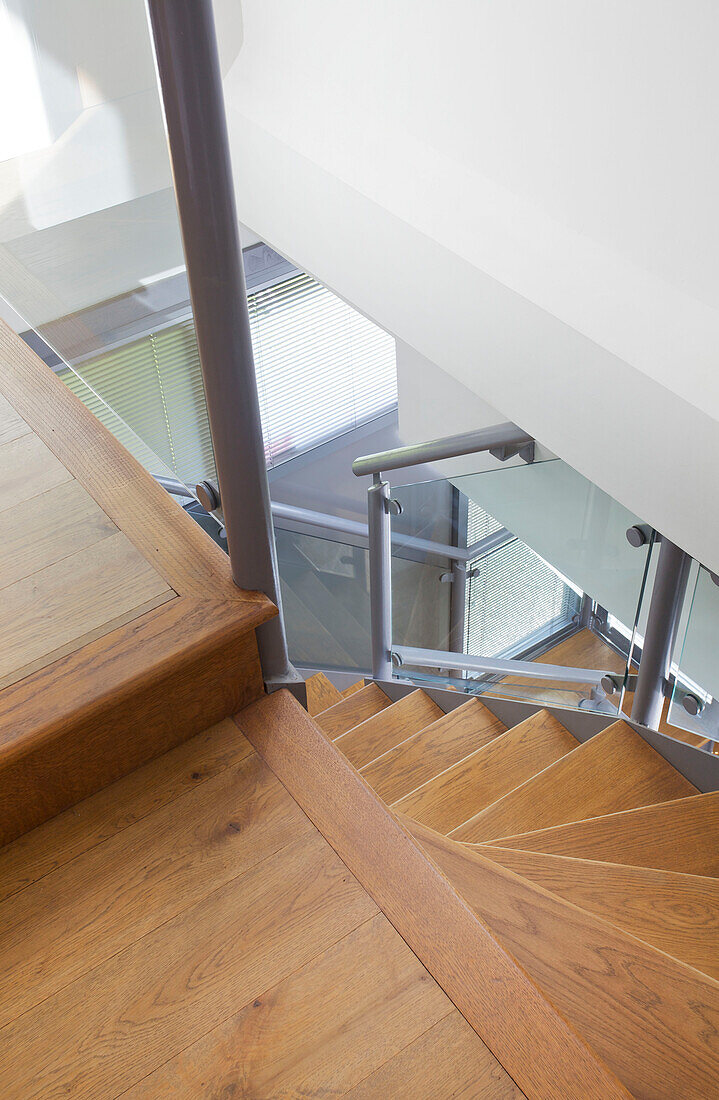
(307, 517)
(494, 666)
(503, 441)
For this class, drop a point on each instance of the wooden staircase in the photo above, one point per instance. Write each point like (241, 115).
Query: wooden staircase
(209, 892)
(594, 865)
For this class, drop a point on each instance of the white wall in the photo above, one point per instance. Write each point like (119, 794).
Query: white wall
(523, 193)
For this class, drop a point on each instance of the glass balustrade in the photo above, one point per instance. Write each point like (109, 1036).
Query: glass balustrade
(91, 255)
(693, 707)
(548, 578)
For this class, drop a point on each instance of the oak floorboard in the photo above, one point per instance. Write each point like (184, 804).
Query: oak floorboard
(318, 1032)
(351, 711)
(47, 529)
(120, 1021)
(383, 731)
(28, 469)
(424, 755)
(449, 1060)
(115, 808)
(537, 1047)
(69, 599)
(652, 1019)
(12, 424)
(56, 930)
(449, 799)
(615, 770)
(675, 913)
(671, 836)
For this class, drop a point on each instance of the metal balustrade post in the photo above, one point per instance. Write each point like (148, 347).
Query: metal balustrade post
(188, 68)
(665, 609)
(380, 577)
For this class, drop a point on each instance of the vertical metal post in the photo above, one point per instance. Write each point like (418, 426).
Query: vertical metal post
(665, 609)
(380, 577)
(185, 44)
(458, 594)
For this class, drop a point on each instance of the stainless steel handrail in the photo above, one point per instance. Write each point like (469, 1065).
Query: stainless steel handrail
(325, 522)
(503, 440)
(468, 662)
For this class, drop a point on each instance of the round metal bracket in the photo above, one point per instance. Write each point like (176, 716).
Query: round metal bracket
(393, 506)
(208, 495)
(609, 684)
(396, 659)
(637, 536)
(692, 705)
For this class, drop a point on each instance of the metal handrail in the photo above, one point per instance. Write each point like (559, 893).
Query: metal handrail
(502, 440)
(494, 666)
(322, 520)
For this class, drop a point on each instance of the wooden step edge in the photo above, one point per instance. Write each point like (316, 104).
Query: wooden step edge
(524, 1031)
(448, 716)
(91, 717)
(352, 689)
(643, 1010)
(671, 911)
(321, 693)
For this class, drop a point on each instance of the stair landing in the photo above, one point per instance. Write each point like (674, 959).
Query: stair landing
(188, 932)
(122, 632)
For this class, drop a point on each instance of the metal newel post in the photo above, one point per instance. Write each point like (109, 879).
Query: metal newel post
(189, 74)
(665, 609)
(380, 577)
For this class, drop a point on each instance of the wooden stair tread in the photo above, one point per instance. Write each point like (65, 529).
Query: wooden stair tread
(116, 602)
(415, 761)
(352, 689)
(321, 693)
(547, 1058)
(351, 711)
(373, 737)
(671, 836)
(675, 913)
(615, 770)
(450, 1052)
(456, 794)
(650, 1017)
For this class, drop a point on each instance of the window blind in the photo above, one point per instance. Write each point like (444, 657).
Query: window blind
(155, 385)
(514, 598)
(322, 369)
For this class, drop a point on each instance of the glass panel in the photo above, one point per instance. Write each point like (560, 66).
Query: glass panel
(694, 707)
(550, 578)
(91, 254)
(325, 595)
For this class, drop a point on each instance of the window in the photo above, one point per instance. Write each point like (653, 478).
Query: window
(514, 598)
(322, 369)
(155, 385)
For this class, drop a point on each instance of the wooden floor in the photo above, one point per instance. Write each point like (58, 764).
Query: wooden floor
(68, 575)
(188, 932)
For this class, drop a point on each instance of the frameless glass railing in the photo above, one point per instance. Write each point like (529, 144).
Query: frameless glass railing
(694, 707)
(549, 591)
(326, 602)
(91, 254)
